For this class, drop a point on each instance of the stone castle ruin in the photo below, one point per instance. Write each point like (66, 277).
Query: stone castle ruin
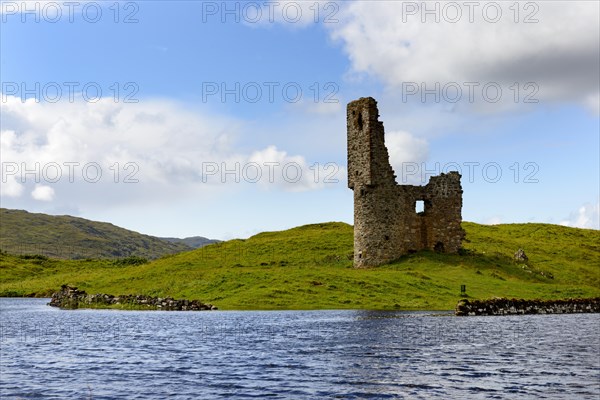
(386, 224)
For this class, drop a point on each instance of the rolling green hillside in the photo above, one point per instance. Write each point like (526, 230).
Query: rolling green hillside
(69, 237)
(309, 268)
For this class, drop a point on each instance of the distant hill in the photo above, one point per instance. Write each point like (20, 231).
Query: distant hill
(194, 242)
(67, 237)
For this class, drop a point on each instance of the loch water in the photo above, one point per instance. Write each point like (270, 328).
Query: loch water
(47, 353)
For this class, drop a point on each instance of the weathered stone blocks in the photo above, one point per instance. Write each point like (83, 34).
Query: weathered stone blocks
(70, 297)
(386, 225)
(502, 306)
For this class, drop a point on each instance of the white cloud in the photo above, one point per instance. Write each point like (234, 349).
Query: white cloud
(293, 173)
(407, 155)
(404, 147)
(162, 138)
(106, 153)
(43, 193)
(587, 216)
(560, 53)
(10, 187)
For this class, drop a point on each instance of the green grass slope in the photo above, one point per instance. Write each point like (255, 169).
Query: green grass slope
(309, 268)
(64, 236)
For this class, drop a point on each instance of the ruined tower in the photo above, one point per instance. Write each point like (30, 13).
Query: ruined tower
(386, 224)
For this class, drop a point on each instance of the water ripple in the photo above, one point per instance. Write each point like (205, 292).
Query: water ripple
(51, 354)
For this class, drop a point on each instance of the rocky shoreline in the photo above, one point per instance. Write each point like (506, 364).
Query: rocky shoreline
(70, 298)
(503, 306)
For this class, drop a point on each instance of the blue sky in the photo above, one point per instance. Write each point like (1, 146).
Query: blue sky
(188, 155)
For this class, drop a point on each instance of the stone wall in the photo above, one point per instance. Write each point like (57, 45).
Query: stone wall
(502, 306)
(70, 298)
(386, 225)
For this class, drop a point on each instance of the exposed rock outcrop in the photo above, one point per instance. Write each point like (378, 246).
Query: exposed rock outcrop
(520, 256)
(70, 297)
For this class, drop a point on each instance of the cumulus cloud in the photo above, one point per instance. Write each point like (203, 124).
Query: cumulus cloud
(404, 147)
(162, 138)
(587, 216)
(43, 193)
(558, 54)
(407, 155)
(114, 153)
(276, 167)
(10, 186)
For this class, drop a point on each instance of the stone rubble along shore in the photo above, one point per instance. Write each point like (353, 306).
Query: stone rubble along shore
(70, 297)
(503, 306)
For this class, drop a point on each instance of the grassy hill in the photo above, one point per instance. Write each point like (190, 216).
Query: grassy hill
(309, 268)
(69, 237)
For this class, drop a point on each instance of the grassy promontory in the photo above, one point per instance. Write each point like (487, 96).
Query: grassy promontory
(309, 268)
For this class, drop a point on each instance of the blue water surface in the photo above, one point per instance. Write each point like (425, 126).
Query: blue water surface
(47, 353)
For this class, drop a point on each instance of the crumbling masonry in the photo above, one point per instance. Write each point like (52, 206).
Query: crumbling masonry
(386, 224)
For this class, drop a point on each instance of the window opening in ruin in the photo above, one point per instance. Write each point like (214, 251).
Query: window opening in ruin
(419, 206)
(360, 121)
